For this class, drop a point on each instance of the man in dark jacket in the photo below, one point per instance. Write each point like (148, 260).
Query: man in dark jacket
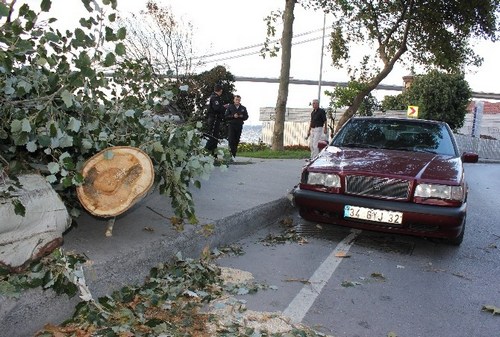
(215, 115)
(318, 127)
(235, 114)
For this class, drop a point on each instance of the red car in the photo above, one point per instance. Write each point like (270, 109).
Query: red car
(394, 175)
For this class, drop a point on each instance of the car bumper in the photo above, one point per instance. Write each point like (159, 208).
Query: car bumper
(418, 219)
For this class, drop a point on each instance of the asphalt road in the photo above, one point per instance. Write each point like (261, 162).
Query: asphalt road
(387, 283)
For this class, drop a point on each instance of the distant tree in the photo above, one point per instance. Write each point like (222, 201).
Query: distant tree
(394, 102)
(342, 97)
(155, 34)
(434, 34)
(440, 96)
(201, 87)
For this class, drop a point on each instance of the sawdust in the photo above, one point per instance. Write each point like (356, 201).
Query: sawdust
(235, 276)
(232, 313)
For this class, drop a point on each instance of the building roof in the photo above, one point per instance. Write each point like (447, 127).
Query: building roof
(489, 108)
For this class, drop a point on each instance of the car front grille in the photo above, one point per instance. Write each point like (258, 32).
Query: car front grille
(391, 188)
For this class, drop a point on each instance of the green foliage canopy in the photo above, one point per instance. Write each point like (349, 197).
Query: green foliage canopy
(343, 96)
(433, 34)
(59, 104)
(439, 96)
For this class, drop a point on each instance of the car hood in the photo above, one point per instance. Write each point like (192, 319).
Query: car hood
(381, 162)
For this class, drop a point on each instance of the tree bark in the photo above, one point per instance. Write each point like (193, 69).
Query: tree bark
(286, 55)
(27, 238)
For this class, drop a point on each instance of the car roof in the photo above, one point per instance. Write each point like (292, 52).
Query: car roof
(395, 118)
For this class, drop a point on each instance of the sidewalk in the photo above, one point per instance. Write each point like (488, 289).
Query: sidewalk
(249, 195)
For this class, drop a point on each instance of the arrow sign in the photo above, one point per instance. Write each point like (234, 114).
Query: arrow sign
(412, 111)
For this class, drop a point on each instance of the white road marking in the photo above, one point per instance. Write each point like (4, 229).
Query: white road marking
(301, 304)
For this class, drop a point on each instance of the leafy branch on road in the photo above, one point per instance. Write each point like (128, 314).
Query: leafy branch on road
(184, 298)
(54, 271)
(288, 236)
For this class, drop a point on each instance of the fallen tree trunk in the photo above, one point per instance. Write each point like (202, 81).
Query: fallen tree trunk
(26, 238)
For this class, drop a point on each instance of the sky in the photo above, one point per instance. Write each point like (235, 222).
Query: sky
(226, 25)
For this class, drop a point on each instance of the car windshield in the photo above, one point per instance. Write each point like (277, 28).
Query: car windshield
(402, 135)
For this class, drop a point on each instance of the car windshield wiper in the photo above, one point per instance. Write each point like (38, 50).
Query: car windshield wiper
(401, 148)
(419, 149)
(370, 146)
(412, 149)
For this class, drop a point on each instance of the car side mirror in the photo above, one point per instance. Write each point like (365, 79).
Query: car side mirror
(322, 144)
(469, 157)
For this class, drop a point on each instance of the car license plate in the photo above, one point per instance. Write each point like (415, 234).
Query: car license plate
(372, 214)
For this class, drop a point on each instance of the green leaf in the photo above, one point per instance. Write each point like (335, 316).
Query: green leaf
(112, 17)
(120, 49)
(85, 23)
(9, 90)
(53, 130)
(67, 98)
(25, 86)
(44, 140)
(158, 147)
(16, 125)
(121, 34)
(51, 179)
(4, 10)
(83, 61)
(110, 34)
(110, 60)
(19, 208)
(67, 182)
(103, 136)
(45, 5)
(86, 3)
(51, 37)
(78, 179)
(21, 138)
(80, 36)
(53, 167)
(8, 289)
(68, 163)
(26, 127)
(41, 61)
(31, 146)
(66, 141)
(86, 144)
(74, 124)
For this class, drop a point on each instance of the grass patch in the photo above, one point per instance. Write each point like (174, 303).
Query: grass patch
(261, 150)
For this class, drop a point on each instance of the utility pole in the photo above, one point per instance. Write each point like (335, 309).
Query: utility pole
(321, 62)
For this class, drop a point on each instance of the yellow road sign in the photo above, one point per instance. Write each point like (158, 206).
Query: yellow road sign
(412, 111)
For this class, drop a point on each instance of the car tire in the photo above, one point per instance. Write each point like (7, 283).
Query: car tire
(458, 240)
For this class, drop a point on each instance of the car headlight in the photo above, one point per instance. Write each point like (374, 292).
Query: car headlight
(324, 179)
(440, 192)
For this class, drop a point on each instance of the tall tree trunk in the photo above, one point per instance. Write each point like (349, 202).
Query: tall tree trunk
(286, 55)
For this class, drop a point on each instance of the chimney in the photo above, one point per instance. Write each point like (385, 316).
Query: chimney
(407, 81)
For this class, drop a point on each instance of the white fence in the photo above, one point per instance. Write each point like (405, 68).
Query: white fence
(296, 125)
